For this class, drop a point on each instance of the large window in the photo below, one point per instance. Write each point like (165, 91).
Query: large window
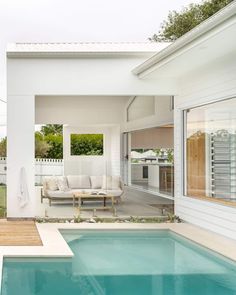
(211, 151)
(86, 144)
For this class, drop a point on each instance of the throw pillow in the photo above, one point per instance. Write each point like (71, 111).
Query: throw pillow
(62, 184)
(96, 182)
(52, 183)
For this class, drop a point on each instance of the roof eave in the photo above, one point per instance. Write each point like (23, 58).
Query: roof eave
(51, 50)
(60, 54)
(151, 64)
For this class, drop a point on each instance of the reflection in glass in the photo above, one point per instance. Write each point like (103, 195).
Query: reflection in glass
(211, 151)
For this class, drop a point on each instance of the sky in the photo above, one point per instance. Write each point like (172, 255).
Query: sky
(77, 21)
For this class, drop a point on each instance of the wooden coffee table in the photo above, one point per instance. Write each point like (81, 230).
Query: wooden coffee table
(81, 197)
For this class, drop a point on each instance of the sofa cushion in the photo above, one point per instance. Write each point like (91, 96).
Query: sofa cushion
(62, 183)
(111, 182)
(78, 181)
(50, 183)
(60, 194)
(115, 193)
(96, 182)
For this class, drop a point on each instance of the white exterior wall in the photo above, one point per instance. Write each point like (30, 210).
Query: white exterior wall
(108, 164)
(82, 76)
(80, 110)
(214, 82)
(162, 114)
(20, 153)
(30, 77)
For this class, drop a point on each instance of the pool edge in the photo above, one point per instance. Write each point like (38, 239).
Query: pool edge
(55, 246)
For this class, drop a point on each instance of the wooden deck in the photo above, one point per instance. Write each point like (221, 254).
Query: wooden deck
(19, 233)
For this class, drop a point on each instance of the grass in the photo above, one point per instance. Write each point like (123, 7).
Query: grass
(3, 192)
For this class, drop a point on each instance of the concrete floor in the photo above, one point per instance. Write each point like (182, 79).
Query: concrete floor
(152, 189)
(134, 203)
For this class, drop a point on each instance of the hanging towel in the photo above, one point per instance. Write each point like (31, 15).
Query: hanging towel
(23, 195)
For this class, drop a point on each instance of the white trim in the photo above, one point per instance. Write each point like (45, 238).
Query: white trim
(82, 49)
(191, 104)
(211, 24)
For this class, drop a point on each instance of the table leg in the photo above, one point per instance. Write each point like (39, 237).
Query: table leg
(73, 200)
(112, 206)
(104, 201)
(79, 201)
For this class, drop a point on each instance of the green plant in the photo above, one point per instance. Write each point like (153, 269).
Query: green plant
(41, 146)
(54, 129)
(3, 147)
(170, 155)
(179, 23)
(77, 219)
(56, 143)
(87, 144)
(173, 218)
(157, 151)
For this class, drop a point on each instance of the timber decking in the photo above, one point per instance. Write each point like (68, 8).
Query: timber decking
(19, 233)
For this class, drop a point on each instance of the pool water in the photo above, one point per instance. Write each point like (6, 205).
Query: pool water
(112, 263)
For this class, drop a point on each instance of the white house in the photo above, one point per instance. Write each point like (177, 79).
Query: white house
(115, 89)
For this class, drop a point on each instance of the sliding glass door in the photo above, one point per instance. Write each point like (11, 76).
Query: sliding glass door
(148, 158)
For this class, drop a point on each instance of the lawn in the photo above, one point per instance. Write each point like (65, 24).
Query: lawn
(2, 200)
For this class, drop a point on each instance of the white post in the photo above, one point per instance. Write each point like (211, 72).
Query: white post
(20, 153)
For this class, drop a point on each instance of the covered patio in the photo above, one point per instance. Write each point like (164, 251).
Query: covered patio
(90, 90)
(133, 203)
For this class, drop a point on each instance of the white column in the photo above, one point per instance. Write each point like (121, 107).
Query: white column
(179, 158)
(20, 152)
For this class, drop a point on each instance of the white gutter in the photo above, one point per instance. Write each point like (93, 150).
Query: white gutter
(17, 50)
(152, 63)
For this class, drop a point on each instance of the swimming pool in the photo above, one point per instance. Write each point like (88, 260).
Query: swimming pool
(123, 262)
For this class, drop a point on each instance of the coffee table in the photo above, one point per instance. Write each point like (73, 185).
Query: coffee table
(81, 197)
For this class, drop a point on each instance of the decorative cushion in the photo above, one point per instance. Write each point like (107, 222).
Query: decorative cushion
(111, 182)
(78, 181)
(96, 182)
(62, 183)
(51, 183)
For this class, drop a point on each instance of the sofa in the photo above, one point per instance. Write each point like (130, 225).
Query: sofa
(62, 188)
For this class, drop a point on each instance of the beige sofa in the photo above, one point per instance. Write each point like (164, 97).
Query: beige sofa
(62, 188)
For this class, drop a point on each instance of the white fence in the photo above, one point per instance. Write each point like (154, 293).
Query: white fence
(3, 170)
(43, 167)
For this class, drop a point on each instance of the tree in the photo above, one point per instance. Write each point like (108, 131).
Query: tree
(3, 147)
(52, 129)
(49, 142)
(87, 144)
(41, 146)
(179, 23)
(56, 146)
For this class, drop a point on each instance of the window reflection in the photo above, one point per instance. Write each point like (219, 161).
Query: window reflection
(211, 151)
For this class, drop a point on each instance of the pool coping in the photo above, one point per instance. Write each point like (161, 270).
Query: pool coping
(54, 244)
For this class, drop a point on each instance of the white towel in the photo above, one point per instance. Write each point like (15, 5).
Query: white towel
(23, 195)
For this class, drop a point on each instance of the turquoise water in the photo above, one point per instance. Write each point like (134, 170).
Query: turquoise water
(112, 263)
